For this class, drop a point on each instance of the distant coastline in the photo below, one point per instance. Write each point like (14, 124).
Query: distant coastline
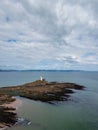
(13, 70)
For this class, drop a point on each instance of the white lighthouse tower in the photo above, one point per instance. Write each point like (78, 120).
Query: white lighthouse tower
(41, 78)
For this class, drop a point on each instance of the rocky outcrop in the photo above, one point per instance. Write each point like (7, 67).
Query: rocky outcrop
(43, 90)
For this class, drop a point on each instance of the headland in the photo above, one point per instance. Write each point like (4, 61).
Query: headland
(40, 90)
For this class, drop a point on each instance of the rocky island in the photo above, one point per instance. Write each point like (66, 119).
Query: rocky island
(41, 90)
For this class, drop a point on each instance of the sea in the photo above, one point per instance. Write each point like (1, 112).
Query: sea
(78, 113)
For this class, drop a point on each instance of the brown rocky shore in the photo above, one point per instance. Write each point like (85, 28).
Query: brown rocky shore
(8, 117)
(39, 90)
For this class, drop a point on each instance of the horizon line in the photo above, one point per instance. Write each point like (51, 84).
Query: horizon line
(45, 70)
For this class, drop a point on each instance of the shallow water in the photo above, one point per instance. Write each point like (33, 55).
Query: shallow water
(78, 114)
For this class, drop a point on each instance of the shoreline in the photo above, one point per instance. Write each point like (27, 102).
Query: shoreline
(15, 104)
(12, 108)
(39, 90)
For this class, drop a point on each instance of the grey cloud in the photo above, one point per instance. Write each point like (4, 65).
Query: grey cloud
(46, 18)
(61, 33)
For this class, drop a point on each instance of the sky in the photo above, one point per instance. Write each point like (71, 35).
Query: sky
(49, 34)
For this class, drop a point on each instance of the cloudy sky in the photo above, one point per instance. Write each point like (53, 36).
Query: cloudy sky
(49, 34)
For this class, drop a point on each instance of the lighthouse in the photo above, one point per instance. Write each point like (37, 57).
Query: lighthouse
(41, 78)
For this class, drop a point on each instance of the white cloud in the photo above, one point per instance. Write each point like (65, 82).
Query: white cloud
(49, 34)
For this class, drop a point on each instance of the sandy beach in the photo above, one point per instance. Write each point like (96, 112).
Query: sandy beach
(16, 104)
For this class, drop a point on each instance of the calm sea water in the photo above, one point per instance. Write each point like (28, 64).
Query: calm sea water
(79, 114)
